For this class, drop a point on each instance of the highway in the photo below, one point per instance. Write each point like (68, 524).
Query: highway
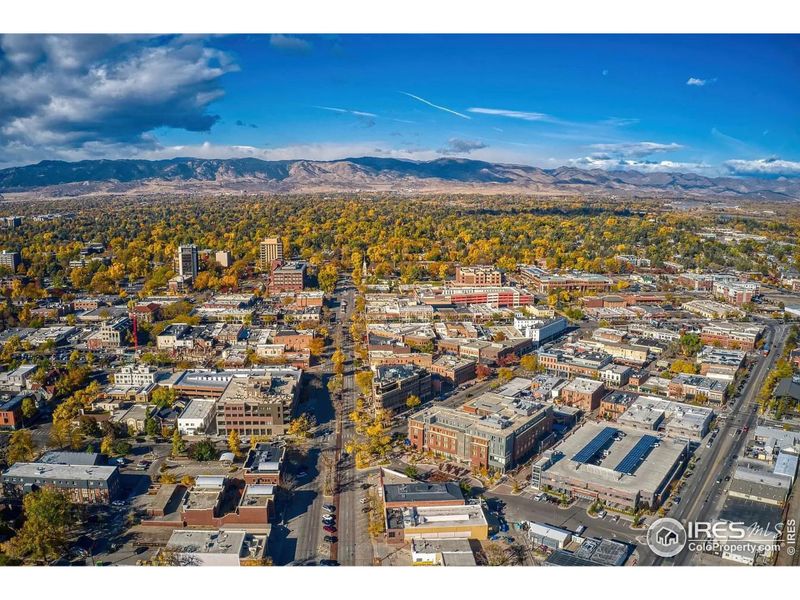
(703, 496)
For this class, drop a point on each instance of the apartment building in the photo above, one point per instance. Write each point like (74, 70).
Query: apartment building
(186, 261)
(735, 336)
(453, 369)
(582, 393)
(545, 282)
(393, 384)
(478, 275)
(492, 431)
(258, 405)
(289, 277)
(9, 260)
(112, 334)
(85, 483)
(270, 251)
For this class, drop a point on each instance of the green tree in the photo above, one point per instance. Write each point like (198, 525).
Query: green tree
(203, 451)
(45, 533)
(21, 447)
(151, 427)
(690, 344)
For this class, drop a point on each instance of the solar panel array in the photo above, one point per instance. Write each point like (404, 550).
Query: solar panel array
(636, 455)
(589, 451)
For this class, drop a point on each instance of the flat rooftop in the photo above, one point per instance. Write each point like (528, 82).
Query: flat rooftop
(59, 471)
(433, 517)
(265, 458)
(199, 541)
(198, 409)
(422, 492)
(656, 464)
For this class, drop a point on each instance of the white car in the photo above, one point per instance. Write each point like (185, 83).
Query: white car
(364, 500)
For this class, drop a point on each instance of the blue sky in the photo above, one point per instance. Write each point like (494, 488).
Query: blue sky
(709, 104)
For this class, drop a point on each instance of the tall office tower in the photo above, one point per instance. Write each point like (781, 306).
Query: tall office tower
(187, 261)
(271, 249)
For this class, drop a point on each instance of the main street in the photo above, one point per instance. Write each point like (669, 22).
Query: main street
(353, 546)
(705, 491)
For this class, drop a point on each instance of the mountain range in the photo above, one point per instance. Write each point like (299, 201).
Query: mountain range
(457, 175)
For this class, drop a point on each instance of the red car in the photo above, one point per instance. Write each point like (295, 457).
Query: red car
(329, 528)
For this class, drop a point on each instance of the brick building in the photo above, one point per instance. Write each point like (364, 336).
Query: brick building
(583, 393)
(478, 275)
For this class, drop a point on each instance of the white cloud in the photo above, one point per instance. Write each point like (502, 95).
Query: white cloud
(697, 82)
(64, 93)
(771, 167)
(357, 113)
(644, 166)
(436, 106)
(312, 151)
(634, 149)
(511, 114)
(289, 44)
(461, 146)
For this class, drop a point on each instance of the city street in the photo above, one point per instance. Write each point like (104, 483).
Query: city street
(703, 495)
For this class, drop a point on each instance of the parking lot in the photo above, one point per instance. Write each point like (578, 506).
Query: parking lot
(523, 507)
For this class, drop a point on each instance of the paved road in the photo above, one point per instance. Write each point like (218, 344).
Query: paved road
(703, 496)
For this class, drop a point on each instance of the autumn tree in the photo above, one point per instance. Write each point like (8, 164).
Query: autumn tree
(530, 363)
(21, 447)
(327, 277)
(301, 426)
(413, 401)
(28, 407)
(363, 380)
(336, 384)
(48, 519)
(317, 346)
(505, 374)
(235, 443)
(338, 358)
(178, 444)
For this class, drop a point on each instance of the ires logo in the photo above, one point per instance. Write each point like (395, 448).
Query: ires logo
(666, 537)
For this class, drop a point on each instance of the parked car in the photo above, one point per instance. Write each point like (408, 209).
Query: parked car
(329, 507)
(331, 539)
(329, 528)
(580, 529)
(328, 520)
(364, 500)
(327, 562)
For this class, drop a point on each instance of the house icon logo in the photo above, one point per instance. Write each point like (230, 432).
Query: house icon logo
(666, 537)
